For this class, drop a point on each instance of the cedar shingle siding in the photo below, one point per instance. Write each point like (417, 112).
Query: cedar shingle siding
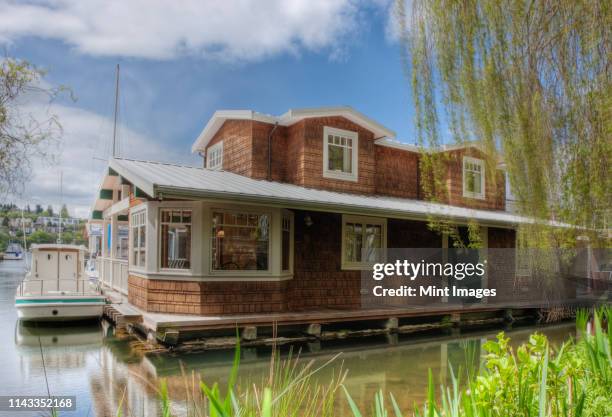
(297, 158)
(318, 280)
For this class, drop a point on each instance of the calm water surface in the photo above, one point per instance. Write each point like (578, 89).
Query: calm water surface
(103, 371)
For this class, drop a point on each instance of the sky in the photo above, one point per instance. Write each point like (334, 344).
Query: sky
(182, 60)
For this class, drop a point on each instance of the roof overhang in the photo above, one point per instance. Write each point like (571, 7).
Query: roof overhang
(161, 181)
(287, 119)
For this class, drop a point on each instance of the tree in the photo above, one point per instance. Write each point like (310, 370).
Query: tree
(22, 135)
(64, 212)
(5, 238)
(38, 209)
(531, 82)
(27, 209)
(49, 210)
(40, 236)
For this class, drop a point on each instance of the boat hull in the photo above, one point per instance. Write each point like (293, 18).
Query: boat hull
(59, 308)
(13, 256)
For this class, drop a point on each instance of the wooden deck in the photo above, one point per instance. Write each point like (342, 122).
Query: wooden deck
(320, 324)
(325, 324)
(321, 316)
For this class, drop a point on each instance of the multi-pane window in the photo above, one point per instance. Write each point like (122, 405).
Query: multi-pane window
(175, 238)
(240, 241)
(363, 241)
(139, 234)
(286, 243)
(473, 177)
(214, 156)
(340, 150)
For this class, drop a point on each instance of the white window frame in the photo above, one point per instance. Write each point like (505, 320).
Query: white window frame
(466, 192)
(214, 156)
(160, 237)
(247, 272)
(340, 175)
(138, 219)
(509, 194)
(351, 265)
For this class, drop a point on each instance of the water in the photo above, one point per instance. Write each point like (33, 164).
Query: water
(102, 371)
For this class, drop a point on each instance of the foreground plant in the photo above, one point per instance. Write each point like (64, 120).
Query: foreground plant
(576, 381)
(289, 391)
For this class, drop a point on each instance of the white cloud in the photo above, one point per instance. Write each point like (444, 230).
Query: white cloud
(85, 144)
(162, 29)
(394, 23)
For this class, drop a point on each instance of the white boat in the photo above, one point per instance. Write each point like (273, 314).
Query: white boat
(57, 287)
(13, 251)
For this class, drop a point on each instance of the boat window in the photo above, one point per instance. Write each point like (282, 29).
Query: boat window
(240, 241)
(175, 238)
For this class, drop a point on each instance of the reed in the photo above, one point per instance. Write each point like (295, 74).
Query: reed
(575, 381)
(288, 391)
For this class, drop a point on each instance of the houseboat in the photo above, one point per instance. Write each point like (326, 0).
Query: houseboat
(285, 214)
(57, 288)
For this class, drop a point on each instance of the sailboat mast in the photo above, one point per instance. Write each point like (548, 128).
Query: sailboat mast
(23, 230)
(116, 111)
(59, 237)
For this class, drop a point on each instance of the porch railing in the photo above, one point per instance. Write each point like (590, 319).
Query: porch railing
(113, 273)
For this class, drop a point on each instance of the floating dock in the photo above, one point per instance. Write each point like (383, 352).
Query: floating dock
(185, 332)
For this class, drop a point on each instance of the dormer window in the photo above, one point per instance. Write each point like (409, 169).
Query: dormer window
(340, 152)
(214, 156)
(473, 178)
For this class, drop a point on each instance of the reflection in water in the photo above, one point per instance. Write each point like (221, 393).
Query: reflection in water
(103, 371)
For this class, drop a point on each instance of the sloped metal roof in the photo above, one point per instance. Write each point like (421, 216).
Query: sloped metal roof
(160, 180)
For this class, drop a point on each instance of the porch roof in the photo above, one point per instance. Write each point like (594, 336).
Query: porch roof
(162, 180)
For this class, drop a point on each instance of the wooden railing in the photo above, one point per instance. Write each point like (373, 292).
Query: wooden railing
(113, 273)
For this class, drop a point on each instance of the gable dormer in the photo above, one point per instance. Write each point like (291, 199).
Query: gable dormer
(325, 148)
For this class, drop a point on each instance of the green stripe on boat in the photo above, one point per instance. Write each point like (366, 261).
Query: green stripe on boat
(60, 300)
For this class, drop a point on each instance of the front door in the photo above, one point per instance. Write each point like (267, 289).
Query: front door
(68, 271)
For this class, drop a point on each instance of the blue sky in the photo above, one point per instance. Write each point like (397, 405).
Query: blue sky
(174, 76)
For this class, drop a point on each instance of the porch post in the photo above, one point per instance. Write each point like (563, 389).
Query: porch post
(114, 238)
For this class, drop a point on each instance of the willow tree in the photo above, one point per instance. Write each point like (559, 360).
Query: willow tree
(25, 135)
(530, 81)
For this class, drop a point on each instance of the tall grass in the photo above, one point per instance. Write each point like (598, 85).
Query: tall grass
(575, 381)
(288, 391)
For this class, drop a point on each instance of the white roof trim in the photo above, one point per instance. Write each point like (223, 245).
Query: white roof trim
(287, 119)
(394, 143)
(159, 179)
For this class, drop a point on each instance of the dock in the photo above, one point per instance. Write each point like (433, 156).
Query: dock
(188, 332)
